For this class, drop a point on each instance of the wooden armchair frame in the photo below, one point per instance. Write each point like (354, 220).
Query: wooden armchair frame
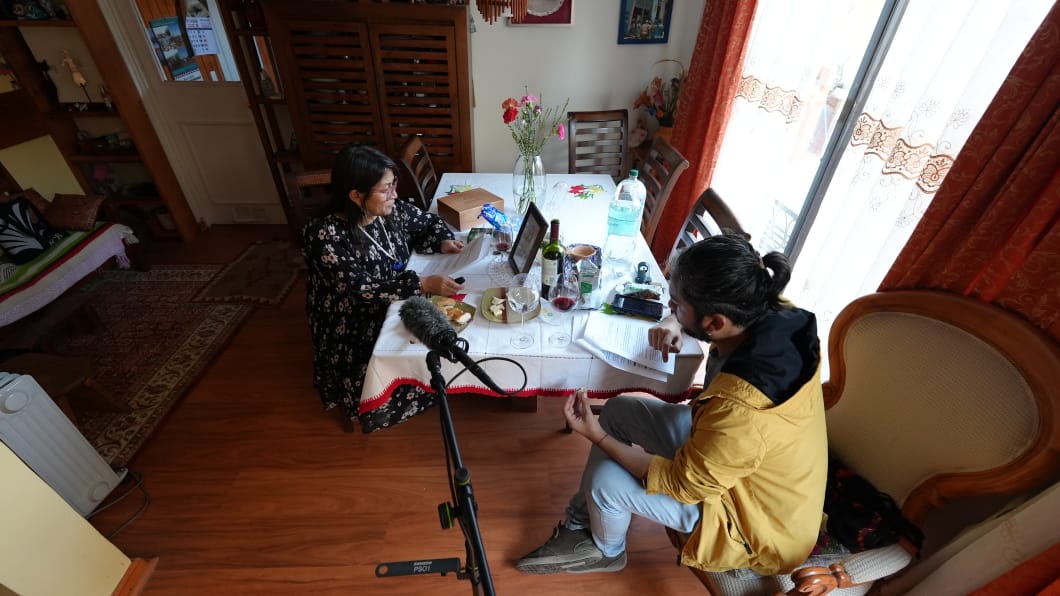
(978, 329)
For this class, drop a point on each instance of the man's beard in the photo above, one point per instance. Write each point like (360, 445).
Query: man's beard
(698, 334)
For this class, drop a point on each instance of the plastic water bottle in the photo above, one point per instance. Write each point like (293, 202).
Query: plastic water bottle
(623, 221)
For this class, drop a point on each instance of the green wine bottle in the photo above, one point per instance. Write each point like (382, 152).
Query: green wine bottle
(551, 260)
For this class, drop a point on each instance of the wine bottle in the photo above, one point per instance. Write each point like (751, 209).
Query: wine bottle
(551, 259)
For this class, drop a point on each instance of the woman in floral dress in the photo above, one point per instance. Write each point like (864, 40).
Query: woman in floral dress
(357, 254)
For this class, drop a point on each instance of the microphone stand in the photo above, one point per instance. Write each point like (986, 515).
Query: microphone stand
(464, 511)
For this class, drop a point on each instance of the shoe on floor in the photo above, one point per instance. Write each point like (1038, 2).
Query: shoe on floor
(570, 551)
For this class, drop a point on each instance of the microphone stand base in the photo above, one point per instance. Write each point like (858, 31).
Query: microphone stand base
(421, 567)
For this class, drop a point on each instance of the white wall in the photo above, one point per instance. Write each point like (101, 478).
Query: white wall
(582, 62)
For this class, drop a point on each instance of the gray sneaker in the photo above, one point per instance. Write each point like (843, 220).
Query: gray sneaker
(570, 551)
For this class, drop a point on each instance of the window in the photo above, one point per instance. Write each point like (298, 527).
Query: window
(847, 120)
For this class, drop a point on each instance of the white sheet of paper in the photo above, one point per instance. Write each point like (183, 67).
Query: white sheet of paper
(619, 362)
(452, 264)
(627, 338)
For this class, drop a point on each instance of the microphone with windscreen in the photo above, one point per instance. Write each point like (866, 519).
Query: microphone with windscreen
(430, 326)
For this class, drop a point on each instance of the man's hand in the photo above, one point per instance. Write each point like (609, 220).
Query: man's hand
(452, 246)
(666, 337)
(580, 416)
(439, 285)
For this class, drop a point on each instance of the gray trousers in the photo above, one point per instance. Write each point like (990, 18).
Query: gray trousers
(609, 494)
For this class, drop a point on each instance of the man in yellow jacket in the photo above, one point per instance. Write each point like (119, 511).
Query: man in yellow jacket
(742, 469)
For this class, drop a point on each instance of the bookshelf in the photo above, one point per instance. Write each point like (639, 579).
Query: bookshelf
(108, 142)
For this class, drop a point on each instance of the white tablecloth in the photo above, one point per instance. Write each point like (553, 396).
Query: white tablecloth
(400, 359)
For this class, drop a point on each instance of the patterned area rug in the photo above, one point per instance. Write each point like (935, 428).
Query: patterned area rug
(153, 342)
(263, 274)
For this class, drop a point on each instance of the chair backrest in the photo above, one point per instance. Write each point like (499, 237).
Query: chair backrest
(659, 172)
(598, 143)
(709, 216)
(417, 178)
(935, 396)
(308, 193)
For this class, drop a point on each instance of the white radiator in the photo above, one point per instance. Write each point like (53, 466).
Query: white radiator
(38, 432)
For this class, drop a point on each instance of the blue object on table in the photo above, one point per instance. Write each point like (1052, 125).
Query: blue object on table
(495, 217)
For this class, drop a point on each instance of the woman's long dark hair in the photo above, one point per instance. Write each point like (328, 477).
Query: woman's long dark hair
(724, 275)
(357, 167)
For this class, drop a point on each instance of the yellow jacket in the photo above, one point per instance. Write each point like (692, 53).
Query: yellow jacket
(758, 467)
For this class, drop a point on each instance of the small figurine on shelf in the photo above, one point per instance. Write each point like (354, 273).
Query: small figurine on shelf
(105, 96)
(75, 72)
(103, 180)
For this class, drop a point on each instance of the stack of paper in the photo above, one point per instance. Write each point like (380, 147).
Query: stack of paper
(622, 342)
(452, 264)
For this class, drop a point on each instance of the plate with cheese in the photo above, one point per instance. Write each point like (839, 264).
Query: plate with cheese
(494, 307)
(459, 314)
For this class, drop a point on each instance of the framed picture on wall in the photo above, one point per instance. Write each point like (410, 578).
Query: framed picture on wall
(644, 21)
(547, 12)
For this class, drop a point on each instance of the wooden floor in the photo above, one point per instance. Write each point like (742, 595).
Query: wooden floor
(256, 490)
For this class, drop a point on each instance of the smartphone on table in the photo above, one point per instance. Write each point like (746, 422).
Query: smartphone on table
(630, 305)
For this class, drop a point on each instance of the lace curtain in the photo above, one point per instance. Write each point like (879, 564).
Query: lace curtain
(944, 64)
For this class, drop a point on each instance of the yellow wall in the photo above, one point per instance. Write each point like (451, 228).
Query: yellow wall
(39, 165)
(47, 547)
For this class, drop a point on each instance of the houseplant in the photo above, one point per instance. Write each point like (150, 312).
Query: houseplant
(531, 126)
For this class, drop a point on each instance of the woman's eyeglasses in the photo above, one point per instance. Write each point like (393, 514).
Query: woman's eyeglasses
(387, 188)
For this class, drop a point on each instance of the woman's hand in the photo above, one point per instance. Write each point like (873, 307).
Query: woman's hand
(439, 285)
(452, 246)
(580, 417)
(666, 337)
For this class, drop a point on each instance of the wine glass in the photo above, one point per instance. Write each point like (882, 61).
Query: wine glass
(502, 242)
(553, 204)
(563, 297)
(523, 295)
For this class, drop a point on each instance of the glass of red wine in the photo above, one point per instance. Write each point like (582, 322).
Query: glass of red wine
(563, 297)
(502, 242)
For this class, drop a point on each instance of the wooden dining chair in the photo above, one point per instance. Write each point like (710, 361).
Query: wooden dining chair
(417, 178)
(598, 143)
(659, 172)
(307, 194)
(710, 216)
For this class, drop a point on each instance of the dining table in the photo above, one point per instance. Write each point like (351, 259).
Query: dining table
(580, 202)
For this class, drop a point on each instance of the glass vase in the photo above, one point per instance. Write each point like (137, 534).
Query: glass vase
(528, 181)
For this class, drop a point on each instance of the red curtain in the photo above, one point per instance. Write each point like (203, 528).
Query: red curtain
(706, 101)
(991, 231)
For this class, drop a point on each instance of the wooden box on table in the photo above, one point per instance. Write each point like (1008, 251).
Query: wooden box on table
(461, 209)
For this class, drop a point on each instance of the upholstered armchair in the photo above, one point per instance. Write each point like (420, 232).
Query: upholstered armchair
(932, 397)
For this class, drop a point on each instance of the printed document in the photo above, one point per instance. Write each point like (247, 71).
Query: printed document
(622, 342)
(452, 264)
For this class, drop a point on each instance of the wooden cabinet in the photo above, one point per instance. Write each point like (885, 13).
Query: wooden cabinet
(324, 74)
(111, 149)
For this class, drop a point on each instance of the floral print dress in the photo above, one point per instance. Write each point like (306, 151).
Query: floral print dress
(354, 273)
